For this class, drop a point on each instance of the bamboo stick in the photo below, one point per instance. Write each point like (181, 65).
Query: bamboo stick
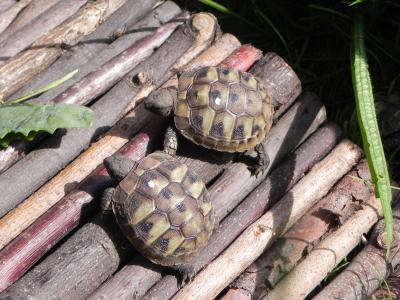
(7, 16)
(82, 58)
(276, 221)
(109, 109)
(27, 15)
(20, 70)
(255, 204)
(326, 216)
(327, 254)
(51, 18)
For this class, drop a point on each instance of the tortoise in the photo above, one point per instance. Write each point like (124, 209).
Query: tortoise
(162, 208)
(219, 108)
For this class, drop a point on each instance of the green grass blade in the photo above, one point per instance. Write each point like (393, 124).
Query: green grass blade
(369, 126)
(44, 89)
(273, 27)
(217, 6)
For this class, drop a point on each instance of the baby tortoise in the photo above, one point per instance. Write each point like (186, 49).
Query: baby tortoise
(219, 108)
(162, 208)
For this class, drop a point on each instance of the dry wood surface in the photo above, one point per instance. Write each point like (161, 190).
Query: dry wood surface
(9, 14)
(58, 150)
(326, 216)
(33, 30)
(19, 70)
(27, 15)
(91, 54)
(257, 237)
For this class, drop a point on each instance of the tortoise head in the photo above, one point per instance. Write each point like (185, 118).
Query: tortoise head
(161, 101)
(119, 166)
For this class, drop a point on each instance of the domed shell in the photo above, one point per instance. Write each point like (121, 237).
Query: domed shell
(222, 109)
(164, 210)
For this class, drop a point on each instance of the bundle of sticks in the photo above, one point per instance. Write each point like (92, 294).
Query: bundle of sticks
(280, 233)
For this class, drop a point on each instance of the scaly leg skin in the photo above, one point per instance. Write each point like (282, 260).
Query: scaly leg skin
(106, 200)
(186, 271)
(170, 141)
(263, 160)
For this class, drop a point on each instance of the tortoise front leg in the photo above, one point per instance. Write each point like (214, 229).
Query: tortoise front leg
(106, 200)
(263, 160)
(170, 141)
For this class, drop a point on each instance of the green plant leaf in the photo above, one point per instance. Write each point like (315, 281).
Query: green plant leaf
(26, 120)
(369, 126)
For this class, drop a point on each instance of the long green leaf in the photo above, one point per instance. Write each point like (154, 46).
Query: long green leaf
(28, 119)
(44, 89)
(369, 126)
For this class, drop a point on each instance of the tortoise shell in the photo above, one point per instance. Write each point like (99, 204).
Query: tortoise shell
(164, 210)
(222, 109)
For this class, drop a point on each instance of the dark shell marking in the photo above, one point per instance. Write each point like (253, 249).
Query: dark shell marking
(164, 210)
(222, 109)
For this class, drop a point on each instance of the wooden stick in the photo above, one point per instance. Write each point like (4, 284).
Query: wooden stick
(7, 16)
(141, 279)
(329, 213)
(327, 254)
(103, 250)
(282, 91)
(128, 18)
(252, 242)
(100, 80)
(98, 264)
(84, 52)
(51, 18)
(71, 210)
(108, 108)
(112, 288)
(368, 269)
(5, 4)
(20, 70)
(255, 204)
(27, 15)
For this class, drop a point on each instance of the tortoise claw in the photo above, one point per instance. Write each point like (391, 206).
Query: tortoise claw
(187, 273)
(262, 163)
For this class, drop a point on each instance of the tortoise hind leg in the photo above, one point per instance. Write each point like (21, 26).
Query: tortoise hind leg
(170, 141)
(186, 271)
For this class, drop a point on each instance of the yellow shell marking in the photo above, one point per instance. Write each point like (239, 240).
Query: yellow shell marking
(160, 226)
(175, 239)
(144, 208)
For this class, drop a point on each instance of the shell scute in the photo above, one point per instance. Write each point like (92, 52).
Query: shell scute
(232, 93)
(166, 201)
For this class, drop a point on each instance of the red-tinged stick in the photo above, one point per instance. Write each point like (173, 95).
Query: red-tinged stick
(51, 227)
(243, 59)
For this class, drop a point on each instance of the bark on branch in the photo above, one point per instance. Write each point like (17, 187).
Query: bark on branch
(329, 213)
(57, 151)
(91, 54)
(20, 70)
(261, 234)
